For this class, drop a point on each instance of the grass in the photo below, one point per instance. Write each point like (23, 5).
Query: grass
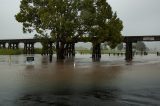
(39, 51)
(17, 51)
(102, 51)
(10, 52)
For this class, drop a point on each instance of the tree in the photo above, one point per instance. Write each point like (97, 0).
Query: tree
(100, 23)
(56, 19)
(66, 21)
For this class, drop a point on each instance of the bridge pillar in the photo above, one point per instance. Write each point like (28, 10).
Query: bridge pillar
(129, 54)
(9, 45)
(96, 52)
(2, 45)
(13, 45)
(28, 48)
(17, 45)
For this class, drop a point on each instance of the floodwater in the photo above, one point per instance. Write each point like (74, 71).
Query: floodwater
(80, 82)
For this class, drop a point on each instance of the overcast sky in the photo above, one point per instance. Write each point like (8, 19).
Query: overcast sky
(140, 17)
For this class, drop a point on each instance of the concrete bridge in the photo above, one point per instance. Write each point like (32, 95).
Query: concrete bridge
(29, 44)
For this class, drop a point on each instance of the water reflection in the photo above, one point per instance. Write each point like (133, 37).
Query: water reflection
(29, 67)
(44, 60)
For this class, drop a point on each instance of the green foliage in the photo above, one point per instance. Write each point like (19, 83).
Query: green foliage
(37, 51)
(57, 19)
(100, 23)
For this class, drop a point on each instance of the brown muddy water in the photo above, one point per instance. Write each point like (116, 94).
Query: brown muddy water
(80, 82)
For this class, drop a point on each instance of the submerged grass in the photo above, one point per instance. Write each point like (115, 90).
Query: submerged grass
(102, 51)
(39, 51)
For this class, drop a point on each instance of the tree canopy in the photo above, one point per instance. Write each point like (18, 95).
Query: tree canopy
(100, 22)
(69, 20)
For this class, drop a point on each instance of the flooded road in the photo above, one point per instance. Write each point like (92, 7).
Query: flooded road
(81, 82)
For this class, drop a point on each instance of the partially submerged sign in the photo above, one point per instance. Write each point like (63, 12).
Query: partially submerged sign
(30, 58)
(148, 38)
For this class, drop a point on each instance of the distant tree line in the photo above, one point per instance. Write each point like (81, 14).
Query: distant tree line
(139, 46)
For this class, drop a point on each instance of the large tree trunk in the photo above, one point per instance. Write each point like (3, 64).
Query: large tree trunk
(65, 50)
(96, 52)
(60, 50)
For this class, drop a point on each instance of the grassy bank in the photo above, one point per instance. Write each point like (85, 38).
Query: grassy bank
(10, 52)
(17, 51)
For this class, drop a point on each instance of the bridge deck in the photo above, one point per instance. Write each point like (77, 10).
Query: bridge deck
(142, 38)
(126, 39)
(19, 40)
